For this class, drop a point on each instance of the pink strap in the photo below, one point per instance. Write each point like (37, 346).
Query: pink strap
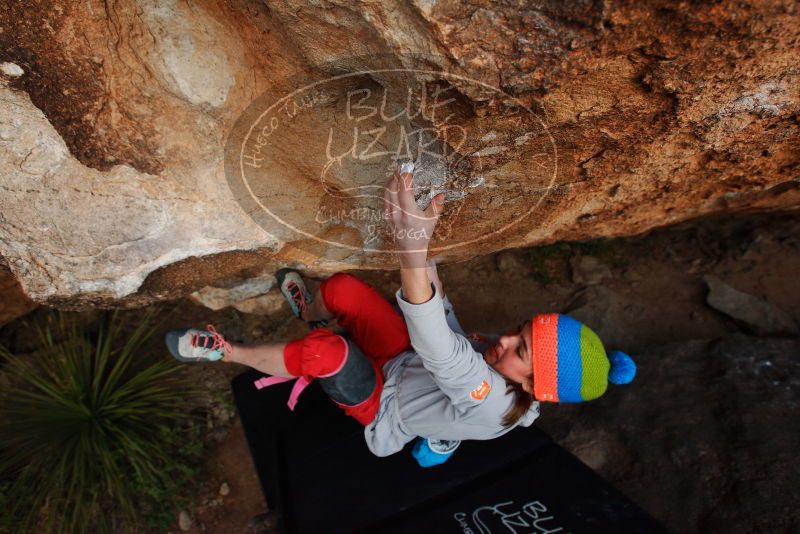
(297, 389)
(266, 381)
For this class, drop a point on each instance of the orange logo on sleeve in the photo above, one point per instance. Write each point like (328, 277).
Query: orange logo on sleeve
(481, 391)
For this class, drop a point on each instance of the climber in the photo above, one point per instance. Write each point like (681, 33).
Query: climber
(417, 375)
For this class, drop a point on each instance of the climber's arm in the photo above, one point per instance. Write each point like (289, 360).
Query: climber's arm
(412, 229)
(433, 275)
(416, 284)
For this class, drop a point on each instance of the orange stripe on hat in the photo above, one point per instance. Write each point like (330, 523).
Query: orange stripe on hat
(545, 357)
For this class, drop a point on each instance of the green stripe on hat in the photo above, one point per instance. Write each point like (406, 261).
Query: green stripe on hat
(595, 365)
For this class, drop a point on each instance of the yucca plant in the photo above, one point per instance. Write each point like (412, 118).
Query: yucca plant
(92, 430)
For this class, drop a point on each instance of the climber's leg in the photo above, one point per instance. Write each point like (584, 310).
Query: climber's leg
(349, 378)
(265, 357)
(373, 324)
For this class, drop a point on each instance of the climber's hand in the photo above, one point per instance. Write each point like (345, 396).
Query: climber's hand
(412, 228)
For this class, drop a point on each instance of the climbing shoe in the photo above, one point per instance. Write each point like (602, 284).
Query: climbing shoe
(296, 293)
(193, 345)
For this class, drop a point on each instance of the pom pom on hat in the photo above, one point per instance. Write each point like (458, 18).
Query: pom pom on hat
(623, 368)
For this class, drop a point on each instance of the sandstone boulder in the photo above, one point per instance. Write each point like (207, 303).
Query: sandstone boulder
(757, 315)
(14, 302)
(126, 130)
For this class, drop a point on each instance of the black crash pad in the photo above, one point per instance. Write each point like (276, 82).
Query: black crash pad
(317, 473)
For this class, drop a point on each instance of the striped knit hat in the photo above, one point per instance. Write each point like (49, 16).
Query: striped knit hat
(570, 363)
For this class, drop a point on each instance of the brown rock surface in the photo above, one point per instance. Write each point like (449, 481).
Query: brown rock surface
(759, 315)
(112, 138)
(712, 451)
(14, 303)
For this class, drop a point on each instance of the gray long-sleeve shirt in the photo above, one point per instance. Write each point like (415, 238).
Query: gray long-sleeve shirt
(442, 389)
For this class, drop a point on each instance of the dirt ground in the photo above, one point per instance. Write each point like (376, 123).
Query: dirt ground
(702, 439)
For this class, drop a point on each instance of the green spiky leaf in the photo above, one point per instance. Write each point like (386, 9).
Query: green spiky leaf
(93, 431)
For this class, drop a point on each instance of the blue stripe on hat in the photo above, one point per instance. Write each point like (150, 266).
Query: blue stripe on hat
(570, 367)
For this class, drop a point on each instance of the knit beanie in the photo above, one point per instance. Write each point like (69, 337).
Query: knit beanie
(570, 363)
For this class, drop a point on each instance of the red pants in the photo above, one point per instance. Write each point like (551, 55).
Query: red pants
(373, 325)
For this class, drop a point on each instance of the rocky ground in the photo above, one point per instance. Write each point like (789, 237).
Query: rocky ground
(702, 439)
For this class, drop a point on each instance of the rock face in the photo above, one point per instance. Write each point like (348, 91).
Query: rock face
(14, 302)
(553, 121)
(706, 425)
(759, 315)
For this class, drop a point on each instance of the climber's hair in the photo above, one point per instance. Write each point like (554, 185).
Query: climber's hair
(522, 403)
